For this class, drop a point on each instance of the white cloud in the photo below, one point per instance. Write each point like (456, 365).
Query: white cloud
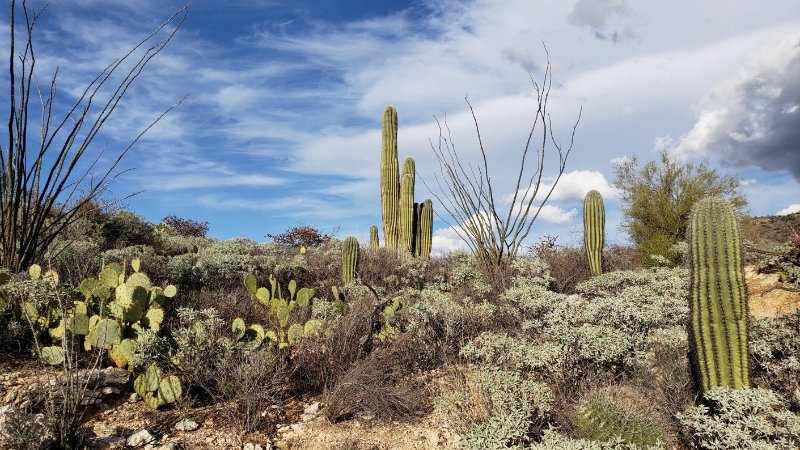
(791, 209)
(554, 214)
(447, 240)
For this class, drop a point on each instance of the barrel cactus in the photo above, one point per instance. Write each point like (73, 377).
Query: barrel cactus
(718, 297)
(594, 221)
(390, 182)
(349, 259)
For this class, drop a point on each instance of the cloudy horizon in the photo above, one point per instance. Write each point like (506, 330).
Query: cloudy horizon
(281, 126)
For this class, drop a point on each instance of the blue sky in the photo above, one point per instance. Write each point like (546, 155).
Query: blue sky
(282, 122)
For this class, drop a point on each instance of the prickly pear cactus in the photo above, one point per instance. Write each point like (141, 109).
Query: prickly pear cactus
(718, 297)
(157, 390)
(594, 221)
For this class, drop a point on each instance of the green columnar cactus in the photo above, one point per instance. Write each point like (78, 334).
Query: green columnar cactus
(390, 183)
(718, 305)
(594, 222)
(374, 241)
(406, 230)
(424, 231)
(349, 259)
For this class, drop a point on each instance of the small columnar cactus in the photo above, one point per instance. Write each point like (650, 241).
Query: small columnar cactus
(349, 259)
(374, 241)
(390, 183)
(424, 231)
(718, 297)
(594, 220)
(406, 230)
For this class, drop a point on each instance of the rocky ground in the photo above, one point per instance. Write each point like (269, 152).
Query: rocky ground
(120, 420)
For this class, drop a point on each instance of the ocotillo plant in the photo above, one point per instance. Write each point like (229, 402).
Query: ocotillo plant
(718, 296)
(390, 183)
(349, 259)
(424, 232)
(374, 241)
(406, 230)
(594, 222)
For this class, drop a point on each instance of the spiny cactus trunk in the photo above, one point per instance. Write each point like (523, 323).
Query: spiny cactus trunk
(424, 231)
(390, 182)
(374, 241)
(406, 230)
(594, 221)
(349, 259)
(718, 308)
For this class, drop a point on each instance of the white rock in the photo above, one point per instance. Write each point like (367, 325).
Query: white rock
(187, 425)
(133, 398)
(139, 438)
(313, 408)
(252, 446)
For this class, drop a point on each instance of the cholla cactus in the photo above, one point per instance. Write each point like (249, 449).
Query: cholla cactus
(594, 220)
(390, 183)
(718, 296)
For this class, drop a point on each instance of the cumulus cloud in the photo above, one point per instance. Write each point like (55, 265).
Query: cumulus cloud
(554, 214)
(752, 119)
(791, 209)
(573, 186)
(447, 240)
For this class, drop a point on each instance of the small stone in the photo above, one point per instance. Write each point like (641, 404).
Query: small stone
(313, 408)
(169, 446)
(139, 438)
(187, 425)
(252, 446)
(149, 447)
(284, 429)
(133, 398)
(110, 390)
(298, 427)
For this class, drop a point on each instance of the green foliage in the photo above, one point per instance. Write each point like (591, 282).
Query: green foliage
(741, 419)
(718, 306)
(594, 221)
(350, 250)
(658, 199)
(390, 183)
(617, 413)
(552, 440)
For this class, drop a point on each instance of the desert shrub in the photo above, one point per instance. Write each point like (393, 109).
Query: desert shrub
(568, 265)
(742, 419)
(493, 408)
(185, 227)
(174, 244)
(775, 353)
(224, 263)
(300, 236)
(618, 412)
(782, 259)
(155, 265)
(553, 440)
(124, 229)
(181, 269)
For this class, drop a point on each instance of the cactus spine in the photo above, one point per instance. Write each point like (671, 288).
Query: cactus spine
(424, 229)
(594, 221)
(406, 231)
(390, 184)
(374, 242)
(349, 259)
(718, 308)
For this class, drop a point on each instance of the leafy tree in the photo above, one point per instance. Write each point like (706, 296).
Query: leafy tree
(301, 236)
(658, 198)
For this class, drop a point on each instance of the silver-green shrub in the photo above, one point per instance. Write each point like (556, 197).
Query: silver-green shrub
(742, 419)
(775, 355)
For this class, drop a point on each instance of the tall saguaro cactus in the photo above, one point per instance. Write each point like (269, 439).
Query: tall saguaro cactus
(718, 308)
(406, 229)
(374, 241)
(594, 222)
(349, 259)
(390, 184)
(424, 232)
